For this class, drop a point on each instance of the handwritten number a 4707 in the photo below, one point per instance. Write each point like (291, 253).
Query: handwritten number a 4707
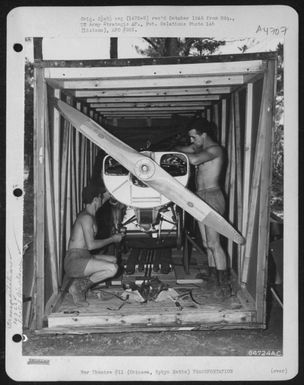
(272, 30)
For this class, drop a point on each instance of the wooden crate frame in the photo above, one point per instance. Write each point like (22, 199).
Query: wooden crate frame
(63, 161)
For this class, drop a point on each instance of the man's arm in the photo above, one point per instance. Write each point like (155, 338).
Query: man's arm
(186, 149)
(204, 156)
(88, 233)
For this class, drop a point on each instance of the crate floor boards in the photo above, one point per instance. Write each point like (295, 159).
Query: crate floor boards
(200, 306)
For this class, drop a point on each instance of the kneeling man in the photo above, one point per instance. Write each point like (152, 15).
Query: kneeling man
(79, 263)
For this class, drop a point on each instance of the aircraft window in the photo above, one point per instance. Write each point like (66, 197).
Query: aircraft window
(174, 164)
(112, 167)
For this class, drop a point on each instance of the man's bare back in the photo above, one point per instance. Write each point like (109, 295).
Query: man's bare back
(83, 222)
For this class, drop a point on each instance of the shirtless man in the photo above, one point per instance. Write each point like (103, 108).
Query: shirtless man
(208, 157)
(79, 263)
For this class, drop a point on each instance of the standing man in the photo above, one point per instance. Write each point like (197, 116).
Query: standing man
(79, 263)
(208, 158)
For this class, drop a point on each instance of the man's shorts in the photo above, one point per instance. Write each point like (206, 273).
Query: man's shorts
(76, 261)
(214, 198)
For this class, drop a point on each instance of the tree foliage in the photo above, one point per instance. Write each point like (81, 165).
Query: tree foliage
(180, 46)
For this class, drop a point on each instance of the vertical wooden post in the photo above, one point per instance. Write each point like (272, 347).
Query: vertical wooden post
(239, 175)
(208, 114)
(68, 218)
(81, 182)
(264, 124)
(223, 124)
(266, 177)
(73, 176)
(216, 120)
(247, 159)
(56, 174)
(232, 174)
(50, 206)
(85, 165)
(39, 190)
(63, 190)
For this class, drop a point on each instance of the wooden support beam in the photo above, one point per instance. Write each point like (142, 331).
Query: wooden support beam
(239, 174)
(154, 71)
(153, 99)
(247, 159)
(63, 190)
(216, 120)
(102, 84)
(148, 106)
(150, 109)
(266, 177)
(51, 230)
(232, 176)
(155, 92)
(265, 115)
(73, 177)
(68, 213)
(208, 111)
(39, 191)
(223, 122)
(56, 175)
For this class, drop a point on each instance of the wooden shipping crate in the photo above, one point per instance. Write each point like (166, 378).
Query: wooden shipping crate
(132, 97)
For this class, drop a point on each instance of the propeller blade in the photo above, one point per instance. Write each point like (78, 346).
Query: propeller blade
(148, 171)
(194, 205)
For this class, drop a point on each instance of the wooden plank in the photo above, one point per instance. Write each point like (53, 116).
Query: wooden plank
(68, 213)
(56, 174)
(125, 105)
(50, 221)
(73, 177)
(239, 175)
(157, 61)
(78, 192)
(159, 318)
(223, 122)
(120, 113)
(255, 184)
(155, 92)
(177, 70)
(90, 159)
(148, 83)
(145, 110)
(152, 99)
(266, 177)
(247, 159)
(232, 176)
(63, 190)
(215, 115)
(39, 190)
(85, 165)
(141, 116)
(147, 328)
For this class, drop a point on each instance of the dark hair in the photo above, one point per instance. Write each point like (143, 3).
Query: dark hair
(90, 192)
(202, 125)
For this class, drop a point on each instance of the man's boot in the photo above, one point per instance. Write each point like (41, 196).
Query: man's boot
(78, 290)
(224, 284)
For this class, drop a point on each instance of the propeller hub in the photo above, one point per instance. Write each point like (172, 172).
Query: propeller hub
(144, 169)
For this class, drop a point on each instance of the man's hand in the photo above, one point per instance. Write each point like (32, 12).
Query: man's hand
(117, 237)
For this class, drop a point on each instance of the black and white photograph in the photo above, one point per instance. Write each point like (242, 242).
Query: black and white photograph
(152, 193)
